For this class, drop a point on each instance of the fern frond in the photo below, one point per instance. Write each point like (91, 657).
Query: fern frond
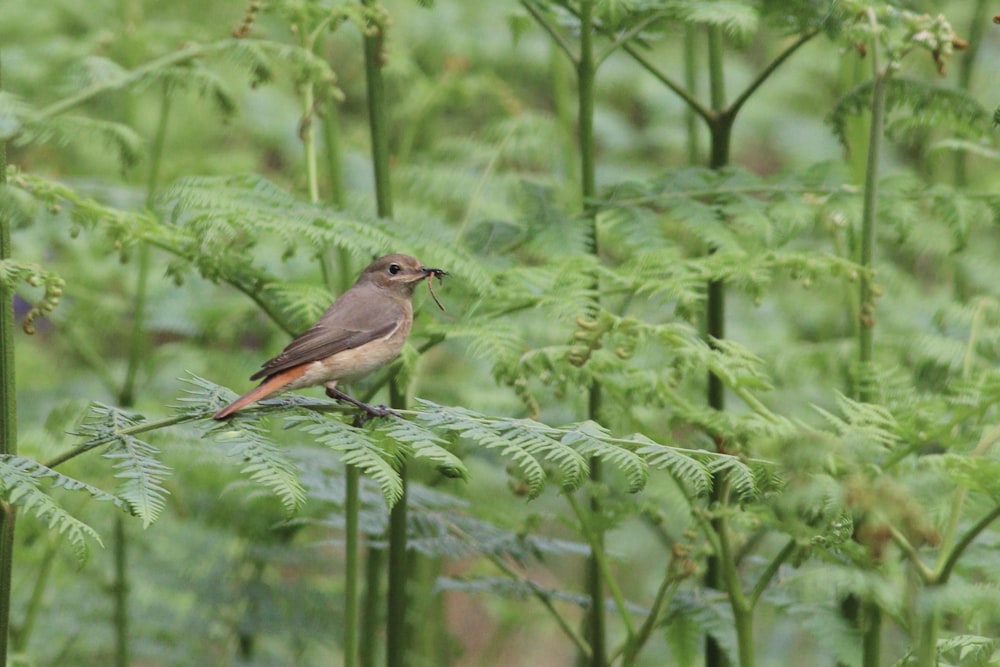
(686, 468)
(20, 480)
(868, 422)
(301, 304)
(527, 443)
(738, 19)
(13, 272)
(359, 448)
(424, 444)
(136, 465)
(593, 440)
(263, 460)
(916, 106)
(711, 616)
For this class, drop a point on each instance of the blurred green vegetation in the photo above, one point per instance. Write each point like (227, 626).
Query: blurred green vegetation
(485, 171)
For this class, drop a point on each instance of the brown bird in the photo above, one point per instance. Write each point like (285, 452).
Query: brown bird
(360, 332)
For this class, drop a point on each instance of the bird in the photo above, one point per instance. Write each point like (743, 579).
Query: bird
(364, 329)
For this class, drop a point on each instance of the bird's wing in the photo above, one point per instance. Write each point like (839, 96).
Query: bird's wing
(353, 320)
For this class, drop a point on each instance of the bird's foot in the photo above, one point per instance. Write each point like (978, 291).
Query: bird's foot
(371, 411)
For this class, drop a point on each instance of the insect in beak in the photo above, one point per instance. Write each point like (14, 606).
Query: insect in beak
(431, 275)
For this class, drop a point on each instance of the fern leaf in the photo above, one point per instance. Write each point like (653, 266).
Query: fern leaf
(690, 473)
(916, 106)
(263, 460)
(20, 481)
(136, 465)
(514, 439)
(358, 448)
(423, 443)
(592, 440)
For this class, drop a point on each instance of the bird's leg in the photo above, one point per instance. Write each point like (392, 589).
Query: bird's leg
(377, 411)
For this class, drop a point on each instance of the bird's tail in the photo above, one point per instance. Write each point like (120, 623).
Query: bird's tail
(269, 386)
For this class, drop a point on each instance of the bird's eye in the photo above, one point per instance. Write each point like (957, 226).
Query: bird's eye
(394, 269)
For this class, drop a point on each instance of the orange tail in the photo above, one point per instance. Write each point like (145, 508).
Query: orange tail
(271, 385)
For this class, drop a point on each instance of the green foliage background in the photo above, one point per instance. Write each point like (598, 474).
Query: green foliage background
(229, 182)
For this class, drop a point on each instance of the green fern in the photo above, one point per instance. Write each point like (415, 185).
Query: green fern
(360, 448)
(262, 460)
(136, 463)
(20, 482)
(914, 107)
(421, 443)
(12, 273)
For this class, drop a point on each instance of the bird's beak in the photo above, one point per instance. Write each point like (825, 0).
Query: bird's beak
(433, 273)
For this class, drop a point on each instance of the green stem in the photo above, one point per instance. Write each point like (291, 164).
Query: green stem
(765, 73)
(378, 117)
(396, 639)
(691, 85)
(720, 128)
(593, 535)
(557, 37)
(630, 649)
(562, 102)
(352, 505)
(307, 128)
(768, 574)
(114, 83)
(870, 616)
(131, 430)
(866, 338)
(742, 610)
(586, 73)
(543, 597)
(689, 99)
(374, 565)
(396, 631)
(22, 637)
(597, 574)
(944, 572)
(137, 338)
(8, 415)
(120, 591)
(8, 516)
(966, 65)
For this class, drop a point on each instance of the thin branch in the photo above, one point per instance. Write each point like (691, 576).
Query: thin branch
(557, 37)
(963, 544)
(707, 114)
(734, 108)
(602, 562)
(626, 36)
(95, 89)
(926, 575)
(630, 648)
(144, 427)
(768, 574)
(543, 597)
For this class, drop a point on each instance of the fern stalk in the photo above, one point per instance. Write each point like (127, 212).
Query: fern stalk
(126, 397)
(691, 84)
(119, 590)
(396, 635)
(596, 575)
(715, 329)
(8, 415)
(375, 563)
(21, 635)
(869, 617)
(581, 644)
(352, 506)
(966, 65)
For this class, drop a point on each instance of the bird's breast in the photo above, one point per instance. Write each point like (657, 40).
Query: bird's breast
(355, 363)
